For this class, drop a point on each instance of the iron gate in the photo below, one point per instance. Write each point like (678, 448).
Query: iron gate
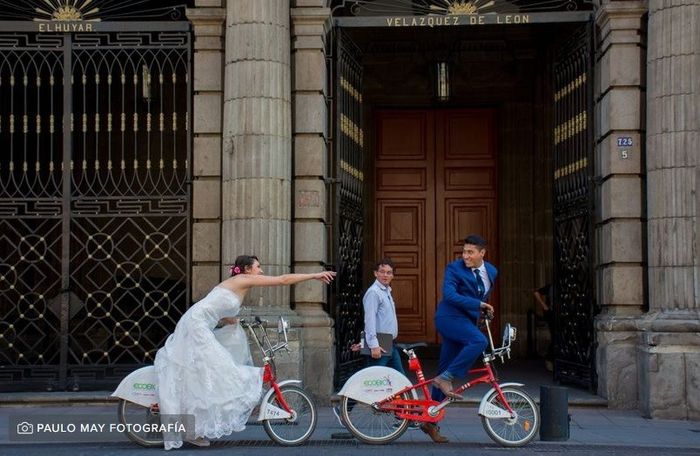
(347, 204)
(574, 301)
(94, 201)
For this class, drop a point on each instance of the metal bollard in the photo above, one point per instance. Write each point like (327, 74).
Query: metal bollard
(554, 410)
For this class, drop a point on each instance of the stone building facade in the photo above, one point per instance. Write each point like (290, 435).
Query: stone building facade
(264, 128)
(646, 261)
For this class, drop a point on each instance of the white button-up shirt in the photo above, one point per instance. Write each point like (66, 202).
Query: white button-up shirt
(380, 313)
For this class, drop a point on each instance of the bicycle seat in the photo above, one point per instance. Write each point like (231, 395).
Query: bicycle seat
(410, 346)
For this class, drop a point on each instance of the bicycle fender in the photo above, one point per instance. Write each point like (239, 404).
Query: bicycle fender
(375, 383)
(140, 387)
(269, 411)
(491, 411)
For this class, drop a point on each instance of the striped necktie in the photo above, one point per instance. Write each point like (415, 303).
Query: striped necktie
(479, 283)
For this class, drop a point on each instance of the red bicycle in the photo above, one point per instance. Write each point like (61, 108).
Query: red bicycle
(378, 403)
(287, 411)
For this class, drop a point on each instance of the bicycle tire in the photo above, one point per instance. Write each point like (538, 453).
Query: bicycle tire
(517, 431)
(295, 431)
(131, 413)
(388, 427)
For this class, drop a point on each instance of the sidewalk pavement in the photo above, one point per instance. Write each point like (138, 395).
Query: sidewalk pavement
(590, 426)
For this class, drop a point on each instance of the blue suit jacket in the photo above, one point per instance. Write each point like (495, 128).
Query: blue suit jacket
(460, 297)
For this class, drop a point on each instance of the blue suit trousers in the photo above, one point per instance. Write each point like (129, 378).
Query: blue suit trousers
(462, 344)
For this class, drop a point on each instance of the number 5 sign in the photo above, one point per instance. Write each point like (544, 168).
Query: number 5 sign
(623, 143)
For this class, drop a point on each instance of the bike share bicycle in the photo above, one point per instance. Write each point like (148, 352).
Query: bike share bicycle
(378, 403)
(287, 411)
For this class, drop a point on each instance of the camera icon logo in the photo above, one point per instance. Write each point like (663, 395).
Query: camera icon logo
(25, 428)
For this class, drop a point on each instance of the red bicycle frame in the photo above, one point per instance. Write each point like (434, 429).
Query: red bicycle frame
(269, 377)
(429, 410)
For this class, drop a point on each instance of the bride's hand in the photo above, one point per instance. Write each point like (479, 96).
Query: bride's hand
(228, 321)
(325, 276)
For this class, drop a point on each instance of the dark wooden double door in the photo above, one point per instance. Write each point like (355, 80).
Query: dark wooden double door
(435, 181)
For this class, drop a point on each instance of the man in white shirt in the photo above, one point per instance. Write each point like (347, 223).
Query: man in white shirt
(380, 316)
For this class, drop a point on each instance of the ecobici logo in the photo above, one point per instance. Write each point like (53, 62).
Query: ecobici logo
(384, 381)
(144, 386)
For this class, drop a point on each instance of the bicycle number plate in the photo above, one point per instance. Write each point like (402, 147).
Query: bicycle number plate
(489, 410)
(273, 412)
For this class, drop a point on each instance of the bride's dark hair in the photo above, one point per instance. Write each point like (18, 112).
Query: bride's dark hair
(242, 262)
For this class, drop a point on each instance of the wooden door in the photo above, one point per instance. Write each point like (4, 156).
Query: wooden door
(466, 187)
(435, 182)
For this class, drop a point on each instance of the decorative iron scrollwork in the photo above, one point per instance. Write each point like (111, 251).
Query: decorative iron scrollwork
(348, 218)
(94, 203)
(92, 10)
(574, 297)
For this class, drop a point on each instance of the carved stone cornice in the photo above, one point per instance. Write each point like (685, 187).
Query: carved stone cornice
(310, 21)
(206, 16)
(620, 21)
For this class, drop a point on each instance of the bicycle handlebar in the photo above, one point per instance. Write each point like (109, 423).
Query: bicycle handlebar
(263, 340)
(252, 324)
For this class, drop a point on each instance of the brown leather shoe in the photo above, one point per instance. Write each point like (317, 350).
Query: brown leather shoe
(434, 432)
(446, 387)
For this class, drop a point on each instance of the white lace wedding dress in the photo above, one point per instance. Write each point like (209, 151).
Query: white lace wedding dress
(208, 372)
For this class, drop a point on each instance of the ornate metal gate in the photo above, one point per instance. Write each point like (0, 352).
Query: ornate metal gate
(574, 297)
(94, 198)
(347, 204)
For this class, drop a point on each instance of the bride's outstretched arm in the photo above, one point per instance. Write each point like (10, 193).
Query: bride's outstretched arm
(250, 280)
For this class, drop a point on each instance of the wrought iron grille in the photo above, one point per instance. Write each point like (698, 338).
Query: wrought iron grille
(348, 205)
(94, 203)
(574, 301)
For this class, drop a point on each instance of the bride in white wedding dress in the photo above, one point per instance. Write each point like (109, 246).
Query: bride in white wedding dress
(205, 368)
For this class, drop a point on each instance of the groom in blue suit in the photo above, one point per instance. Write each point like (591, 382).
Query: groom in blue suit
(465, 289)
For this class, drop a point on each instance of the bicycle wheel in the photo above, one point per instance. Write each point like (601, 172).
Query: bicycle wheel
(369, 425)
(297, 429)
(131, 414)
(516, 431)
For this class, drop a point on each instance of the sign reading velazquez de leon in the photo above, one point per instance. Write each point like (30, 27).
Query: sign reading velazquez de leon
(448, 21)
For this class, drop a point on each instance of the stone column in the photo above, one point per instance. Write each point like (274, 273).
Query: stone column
(208, 21)
(310, 21)
(619, 94)
(669, 350)
(257, 152)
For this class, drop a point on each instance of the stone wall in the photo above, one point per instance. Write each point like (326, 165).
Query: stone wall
(310, 26)
(669, 341)
(208, 21)
(619, 97)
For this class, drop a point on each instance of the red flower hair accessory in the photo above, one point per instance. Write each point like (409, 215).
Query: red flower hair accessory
(234, 270)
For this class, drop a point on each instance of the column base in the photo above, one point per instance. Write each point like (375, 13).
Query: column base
(669, 365)
(616, 360)
(319, 357)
